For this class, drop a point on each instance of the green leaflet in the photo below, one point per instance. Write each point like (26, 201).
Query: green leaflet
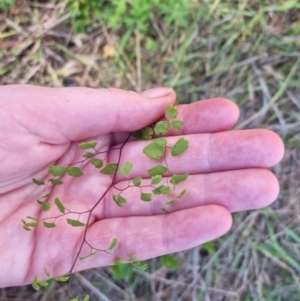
(182, 193)
(49, 225)
(170, 261)
(62, 278)
(132, 258)
(157, 170)
(86, 298)
(143, 134)
(155, 149)
(59, 205)
(45, 205)
(47, 273)
(176, 179)
(98, 163)
(179, 147)
(176, 124)
(119, 200)
(161, 127)
(156, 179)
(74, 172)
(109, 169)
(113, 244)
(146, 197)
(38, 182)
(85, 145)
(163, 209)
(137, 181)
(88, 155)
(57, 170)
(56, 181)
(75, 223)
(171, 112)
(162, 190)
(125, 169)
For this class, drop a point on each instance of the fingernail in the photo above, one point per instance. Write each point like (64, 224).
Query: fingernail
(157, 92)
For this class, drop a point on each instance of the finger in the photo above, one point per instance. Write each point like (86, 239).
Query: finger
(152, 236)
(209, 152)
(206, 116)
(61, 115)
(237, 190)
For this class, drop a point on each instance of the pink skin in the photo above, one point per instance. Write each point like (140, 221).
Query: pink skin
(42, 126)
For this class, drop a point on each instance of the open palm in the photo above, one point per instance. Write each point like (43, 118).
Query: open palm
(40, 127)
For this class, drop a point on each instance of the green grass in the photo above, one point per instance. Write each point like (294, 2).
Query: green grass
(245, 50)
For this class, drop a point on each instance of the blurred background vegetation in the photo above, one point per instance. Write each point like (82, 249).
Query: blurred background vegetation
(245, 50)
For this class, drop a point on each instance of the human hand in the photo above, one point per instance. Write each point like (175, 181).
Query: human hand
(40, 127)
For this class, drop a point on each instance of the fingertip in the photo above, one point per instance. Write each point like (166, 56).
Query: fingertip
(276, 142)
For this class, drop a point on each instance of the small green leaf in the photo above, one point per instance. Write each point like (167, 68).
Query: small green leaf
(157, 170)
(180, 146)
(49, 225)
(147, 133)
(35, 286)
(98, 163)
(109, 169)
(38, 182)
(155, 149)
(182, 193)
(89, 255)
(86, 298)
(162, 190)
(171, 112)
(165, 210)
(85, 145)
(75, 299)
(35, 219)
(33, 224)
(43, 283)
(176, 179)
(88, 155)
(74, 172)
(113, 244)
(45, 205)
(170, 202)
(156, 190)
(62, 278)
(146, 197)
(56, 181)
(57, 170)
(137, 181)
(165, 190)
(161, 127)
(119, 200)
(75, 223)
(26, 228)
(125, 169)
(47, 273)
(176, 124)
(132, 258)
(143, 134)
(59, 205)
(156, 179)
(170, 261)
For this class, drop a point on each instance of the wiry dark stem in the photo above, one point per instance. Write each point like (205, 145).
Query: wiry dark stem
(92, 209)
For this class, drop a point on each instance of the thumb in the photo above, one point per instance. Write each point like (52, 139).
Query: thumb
(63, 114)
